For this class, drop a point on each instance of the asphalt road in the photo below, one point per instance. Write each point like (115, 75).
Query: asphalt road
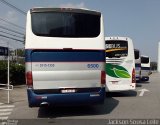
(118, 105)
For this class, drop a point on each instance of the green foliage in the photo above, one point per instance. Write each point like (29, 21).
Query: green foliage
(20, 52)
(17, 73)
(3, 72)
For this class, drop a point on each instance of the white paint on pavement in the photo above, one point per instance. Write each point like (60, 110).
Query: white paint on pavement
(4, 118)
(6, 110)
(5, 114)
(6, 106)
(142, 91)
(1, 103)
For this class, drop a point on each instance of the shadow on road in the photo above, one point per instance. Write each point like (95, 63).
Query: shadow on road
(141, 83)
(144, 82)
(138, 85)
(53, 112)
(122, 94)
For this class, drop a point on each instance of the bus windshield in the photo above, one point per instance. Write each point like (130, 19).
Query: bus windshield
(116, 48)
(65, 24)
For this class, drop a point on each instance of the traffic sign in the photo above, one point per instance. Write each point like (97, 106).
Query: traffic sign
(3, 51)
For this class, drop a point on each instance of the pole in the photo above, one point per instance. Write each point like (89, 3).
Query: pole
(8, 76)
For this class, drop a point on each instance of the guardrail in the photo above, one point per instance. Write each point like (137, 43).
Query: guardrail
(6, 87)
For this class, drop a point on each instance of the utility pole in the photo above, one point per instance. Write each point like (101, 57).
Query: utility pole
(8, 84)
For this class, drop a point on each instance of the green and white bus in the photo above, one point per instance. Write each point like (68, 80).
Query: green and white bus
(120, 64)
(145, 68)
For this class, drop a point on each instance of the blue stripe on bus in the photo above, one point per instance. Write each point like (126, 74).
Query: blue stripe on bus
(64, 55)
(145, 68)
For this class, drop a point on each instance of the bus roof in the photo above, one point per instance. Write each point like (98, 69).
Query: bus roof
(74, 10)
(136, 50)
(118, 38)
(144, 56)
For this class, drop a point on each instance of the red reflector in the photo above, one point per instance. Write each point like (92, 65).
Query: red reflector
(103, 77)
(133, 76)
(29, 78)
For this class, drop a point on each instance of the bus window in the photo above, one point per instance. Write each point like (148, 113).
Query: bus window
(136, 53)
(65, 24)
(116, 48)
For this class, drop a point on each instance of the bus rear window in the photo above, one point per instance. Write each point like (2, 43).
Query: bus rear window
(116, 48)
(144, 60)
(136, 54)
(65, 24)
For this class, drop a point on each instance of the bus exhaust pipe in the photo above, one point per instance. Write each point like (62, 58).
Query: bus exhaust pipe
(44, 104)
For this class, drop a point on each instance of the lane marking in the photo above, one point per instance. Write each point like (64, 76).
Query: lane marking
(5, 113)
(7, 106)
(1, 103)
(4, 118)
(142, 91)
(5, 110)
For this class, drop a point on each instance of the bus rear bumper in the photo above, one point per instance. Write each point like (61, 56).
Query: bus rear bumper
(138, 78)
(69, 99)
(145, 78)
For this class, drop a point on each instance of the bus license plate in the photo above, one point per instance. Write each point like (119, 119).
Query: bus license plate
(68, 91)
(114, 82)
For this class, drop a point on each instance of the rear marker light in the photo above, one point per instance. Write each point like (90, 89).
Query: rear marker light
(29, 79)
(133, 76)
(103, 77)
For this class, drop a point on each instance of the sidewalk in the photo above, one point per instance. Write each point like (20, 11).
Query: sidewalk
(17, 94)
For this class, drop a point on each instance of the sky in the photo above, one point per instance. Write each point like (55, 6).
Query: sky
(137, 19)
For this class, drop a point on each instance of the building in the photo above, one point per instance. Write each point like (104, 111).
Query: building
(158, 57)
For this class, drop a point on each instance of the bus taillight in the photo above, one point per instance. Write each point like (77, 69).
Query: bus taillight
(133, 76)
(29, 79)
(103, 77)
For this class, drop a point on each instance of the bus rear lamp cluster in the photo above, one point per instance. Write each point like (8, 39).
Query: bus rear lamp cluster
(133, 76)
(29, 79)
(103, 77)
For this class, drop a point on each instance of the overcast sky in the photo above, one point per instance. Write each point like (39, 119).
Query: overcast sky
(137, 19)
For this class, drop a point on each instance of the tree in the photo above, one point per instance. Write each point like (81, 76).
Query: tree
(20, 52)
(153, 65)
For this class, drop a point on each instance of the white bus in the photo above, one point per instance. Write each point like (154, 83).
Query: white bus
(65, 57)
(120, 64)
(137, 56)
(145, 68)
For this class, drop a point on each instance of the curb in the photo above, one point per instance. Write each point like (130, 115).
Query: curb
(19, 86)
